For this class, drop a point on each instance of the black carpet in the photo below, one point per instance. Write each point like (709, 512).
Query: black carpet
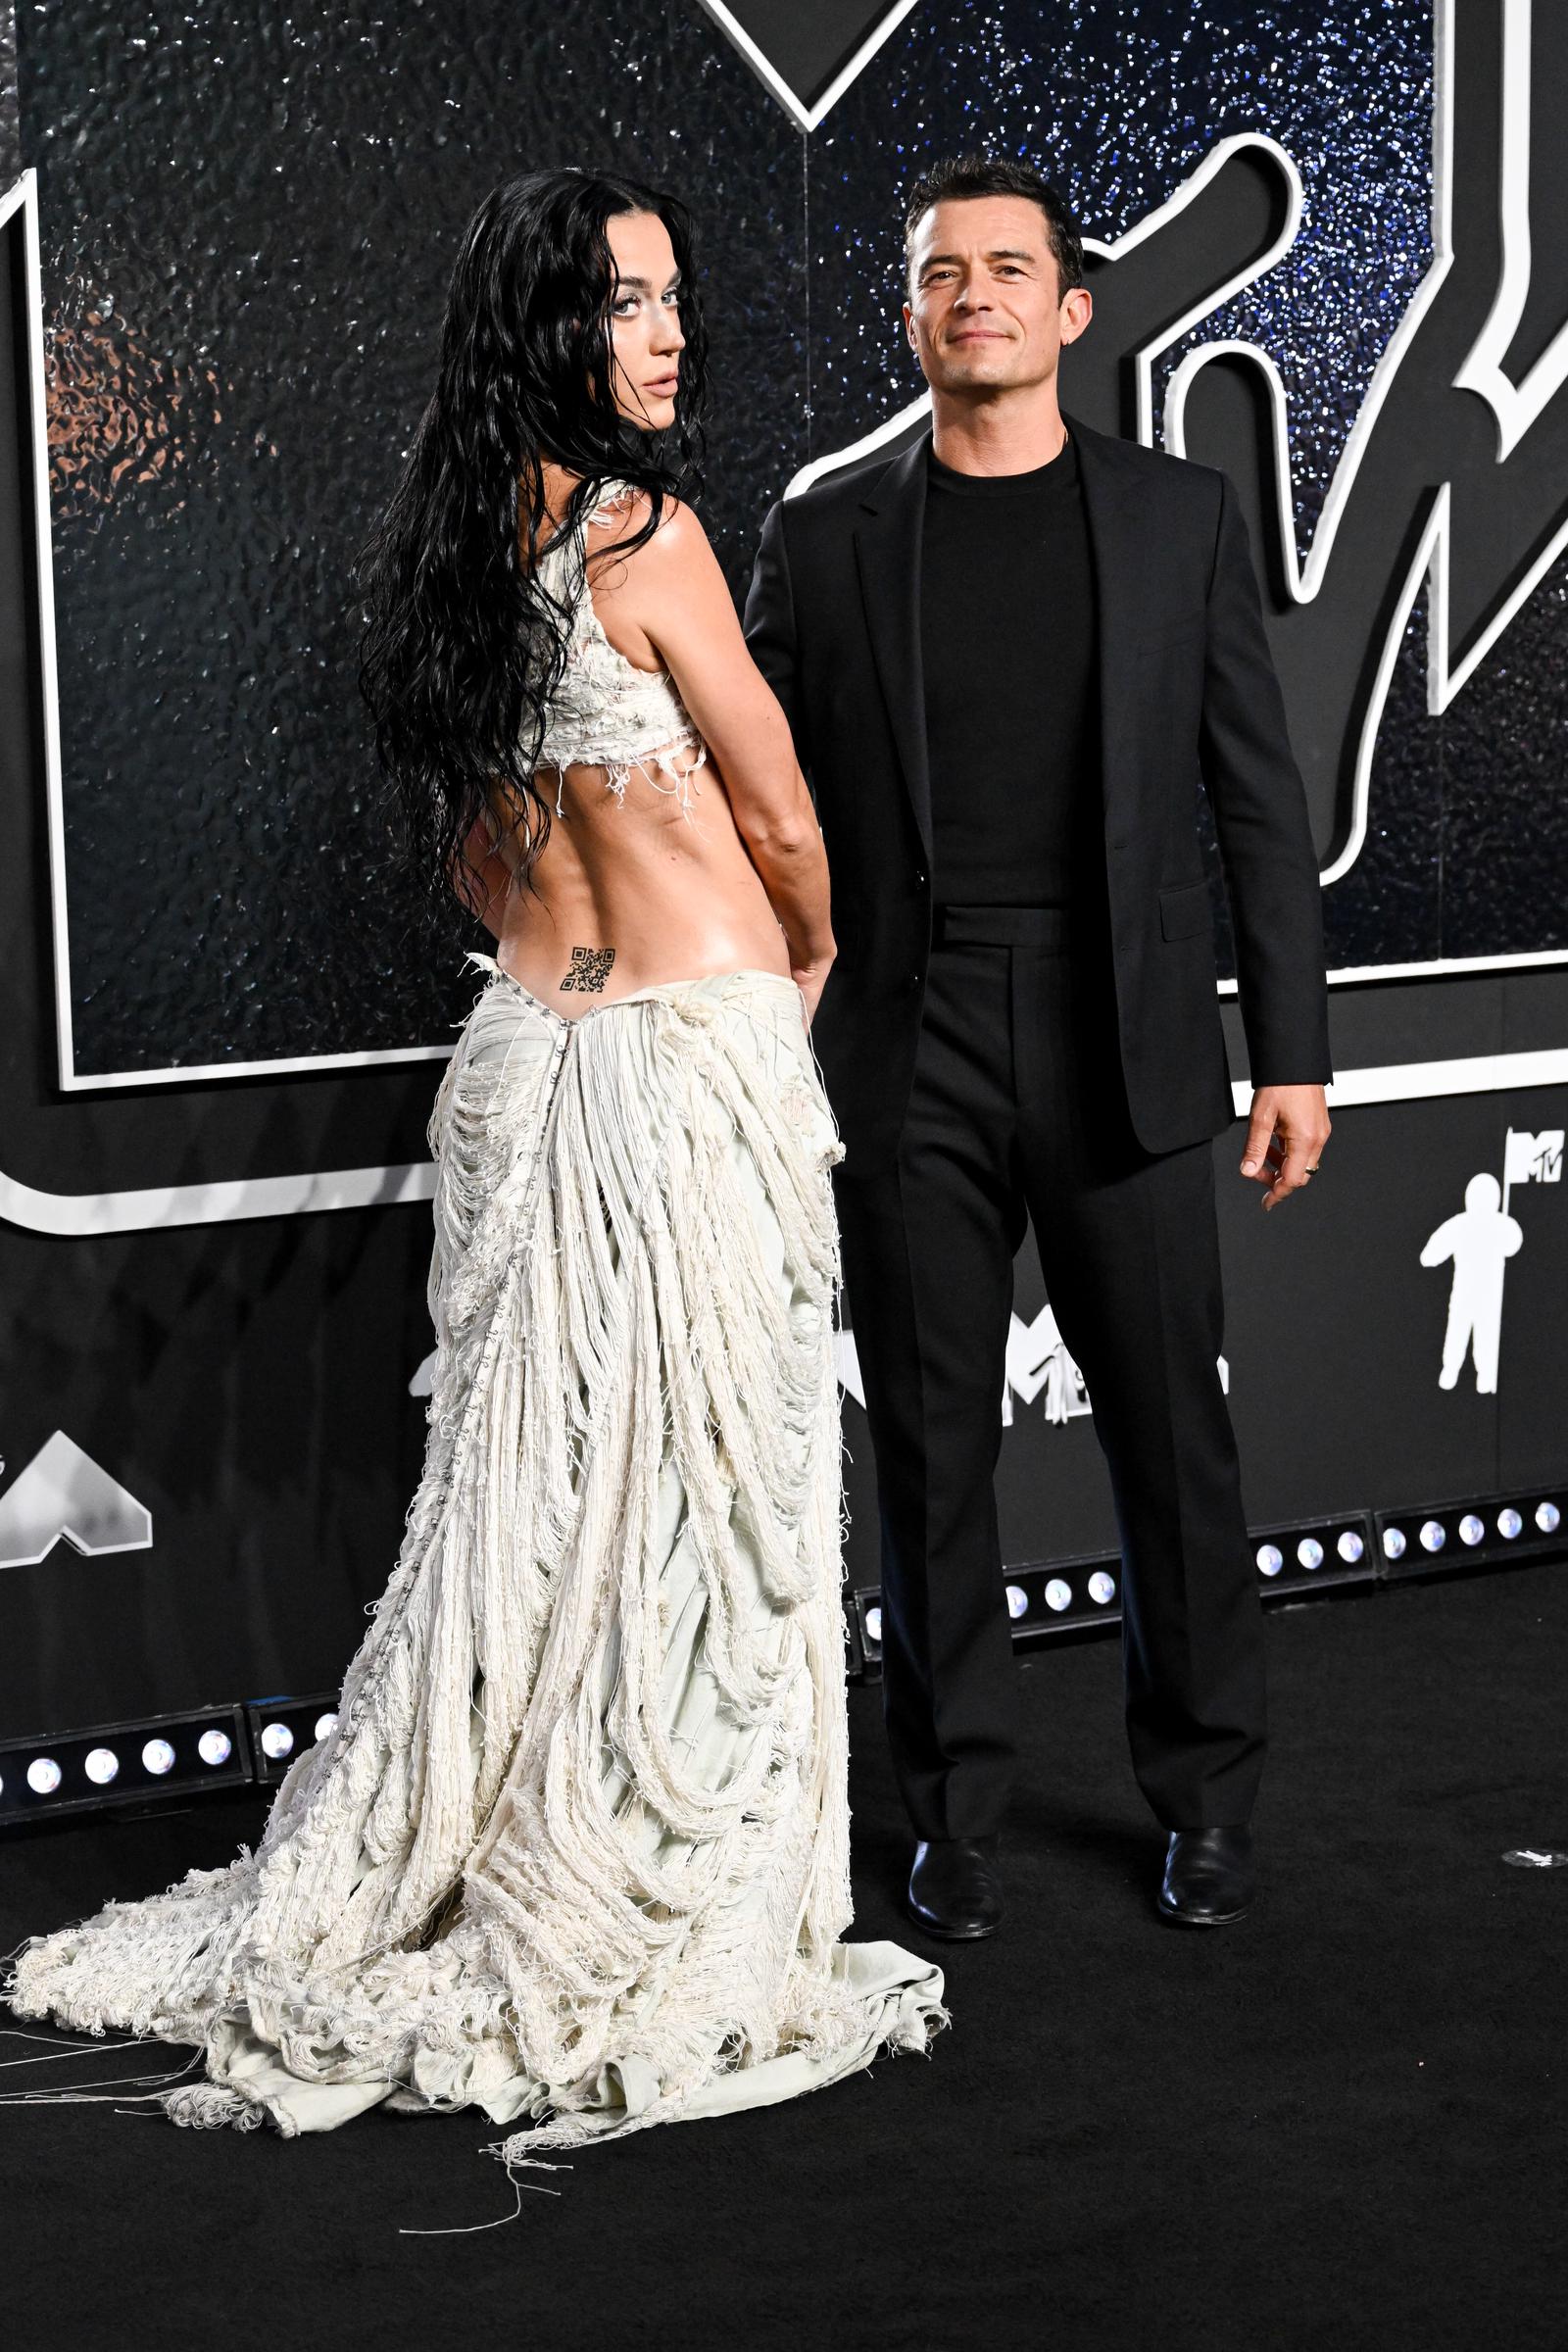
(1340, 2123)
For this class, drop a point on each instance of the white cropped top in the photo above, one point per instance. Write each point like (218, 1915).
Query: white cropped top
(607, 713)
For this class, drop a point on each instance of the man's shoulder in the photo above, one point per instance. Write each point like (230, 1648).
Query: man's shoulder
(1155, 470)
(845, 483)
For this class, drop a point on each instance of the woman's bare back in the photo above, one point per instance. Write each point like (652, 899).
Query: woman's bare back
(645, 876)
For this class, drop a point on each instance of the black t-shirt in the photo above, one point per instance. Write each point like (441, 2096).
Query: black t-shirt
(1008, 641)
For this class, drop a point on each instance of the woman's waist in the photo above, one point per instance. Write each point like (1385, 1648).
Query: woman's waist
(576, 970)
(589, 925)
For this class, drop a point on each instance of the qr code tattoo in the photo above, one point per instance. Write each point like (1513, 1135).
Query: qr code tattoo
(590, 969)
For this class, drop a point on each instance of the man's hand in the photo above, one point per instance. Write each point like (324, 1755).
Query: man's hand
(1285, 1137)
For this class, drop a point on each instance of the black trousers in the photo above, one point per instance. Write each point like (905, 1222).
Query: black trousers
(1017, 1111)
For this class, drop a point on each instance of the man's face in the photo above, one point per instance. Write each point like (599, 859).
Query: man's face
(985, 310)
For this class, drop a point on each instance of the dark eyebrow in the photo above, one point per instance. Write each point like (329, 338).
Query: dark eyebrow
(642, 286)
(998, 253)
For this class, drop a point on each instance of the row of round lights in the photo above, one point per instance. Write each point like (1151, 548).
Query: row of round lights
(102, 1764)
(278, 1740)
(1309, 1553)
(1101, 1590)
(1432, 1534)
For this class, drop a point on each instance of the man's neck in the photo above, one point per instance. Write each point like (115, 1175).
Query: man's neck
(1000, 435)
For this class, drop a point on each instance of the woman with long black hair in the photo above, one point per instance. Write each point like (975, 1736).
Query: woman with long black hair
(575, 1851)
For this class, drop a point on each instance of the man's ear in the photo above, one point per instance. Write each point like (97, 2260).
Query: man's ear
(1077, 309)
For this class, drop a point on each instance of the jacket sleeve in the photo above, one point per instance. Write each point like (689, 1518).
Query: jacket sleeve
(1260, 816)
(769, 624)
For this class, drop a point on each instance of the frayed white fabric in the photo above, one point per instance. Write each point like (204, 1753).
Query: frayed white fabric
(605, 711)
(576, 1852)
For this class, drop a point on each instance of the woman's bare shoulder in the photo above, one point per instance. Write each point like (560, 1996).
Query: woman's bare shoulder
(679, 538)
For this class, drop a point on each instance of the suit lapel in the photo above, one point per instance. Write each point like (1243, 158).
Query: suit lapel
(888, 534)
(1115, 539)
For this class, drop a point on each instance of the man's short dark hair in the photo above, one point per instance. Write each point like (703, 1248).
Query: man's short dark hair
(956, 177)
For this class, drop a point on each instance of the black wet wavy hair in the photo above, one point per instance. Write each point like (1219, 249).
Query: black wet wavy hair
(462, 647)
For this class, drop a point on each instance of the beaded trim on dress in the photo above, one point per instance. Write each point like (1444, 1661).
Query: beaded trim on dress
(606, 712)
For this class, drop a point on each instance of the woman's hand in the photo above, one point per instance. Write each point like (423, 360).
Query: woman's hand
(811, 979)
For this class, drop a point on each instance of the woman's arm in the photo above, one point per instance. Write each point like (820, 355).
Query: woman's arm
(481, 875)
(672, 591)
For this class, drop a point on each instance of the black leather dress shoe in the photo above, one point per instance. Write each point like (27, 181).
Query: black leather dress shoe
(955, 1887)
(1208, 1877)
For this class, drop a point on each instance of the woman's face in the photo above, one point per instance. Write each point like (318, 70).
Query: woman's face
(645, 319)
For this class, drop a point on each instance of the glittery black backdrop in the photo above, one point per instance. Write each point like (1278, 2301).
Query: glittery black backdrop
(248, 219)
(247, 216)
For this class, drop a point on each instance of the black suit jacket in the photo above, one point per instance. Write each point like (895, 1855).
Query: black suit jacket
(1189, 700)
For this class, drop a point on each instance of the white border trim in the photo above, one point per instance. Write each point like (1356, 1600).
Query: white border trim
(289, 1066)
(22, 196)
(1438, 967)
(1418, 1081)
(767, 73)
(76, 1215)
(1515, 406)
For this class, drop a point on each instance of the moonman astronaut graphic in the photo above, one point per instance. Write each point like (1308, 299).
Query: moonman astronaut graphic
(1480, 1239)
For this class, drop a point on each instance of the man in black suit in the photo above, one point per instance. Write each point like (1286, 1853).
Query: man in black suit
(1012, 658)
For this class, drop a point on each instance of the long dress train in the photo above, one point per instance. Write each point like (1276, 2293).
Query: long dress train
(576, 1852)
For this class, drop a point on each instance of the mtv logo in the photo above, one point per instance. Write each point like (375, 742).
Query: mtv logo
(846, 1365)
(1038, 1359)
(62, 1493)
(1532, 1159)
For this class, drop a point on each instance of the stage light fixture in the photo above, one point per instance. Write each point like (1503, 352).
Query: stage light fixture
(116, 1763)
(864, 1629)
(1311, 1555)
(283, 1728)
(1058, 1594)
(1394, 1545)
(1101, 1588)
(1482, 1531)
(1018, 1602)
